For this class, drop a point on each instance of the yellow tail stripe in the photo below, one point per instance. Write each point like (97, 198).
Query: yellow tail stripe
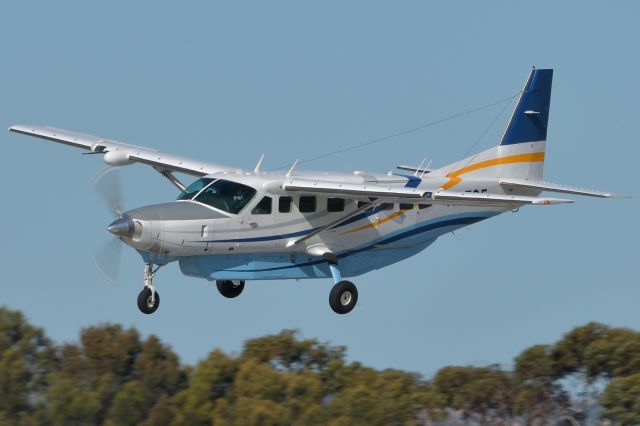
(454, 177)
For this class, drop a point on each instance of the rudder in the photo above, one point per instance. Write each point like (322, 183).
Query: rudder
(529, 120)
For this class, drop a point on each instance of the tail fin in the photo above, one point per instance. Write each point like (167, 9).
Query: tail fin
(529, 120)
(521, 151)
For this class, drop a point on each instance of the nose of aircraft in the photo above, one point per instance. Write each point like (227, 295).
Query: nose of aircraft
(122, 227)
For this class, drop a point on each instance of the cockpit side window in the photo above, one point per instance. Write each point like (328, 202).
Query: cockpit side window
(194, 188)
(263, 207)
(225, 195)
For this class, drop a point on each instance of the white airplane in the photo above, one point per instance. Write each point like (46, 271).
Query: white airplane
(233, 225)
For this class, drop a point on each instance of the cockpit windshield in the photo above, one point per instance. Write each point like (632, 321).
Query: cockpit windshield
(222, 194)
(194, 188)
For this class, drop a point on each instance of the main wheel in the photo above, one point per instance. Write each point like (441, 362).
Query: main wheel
(146, 303)
(230, 289)
(343, 297)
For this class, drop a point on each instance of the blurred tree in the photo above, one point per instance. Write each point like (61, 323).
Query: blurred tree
(26, 356)
(212, 379)
(130, 405)
(615, 354)
(113, 377)
(569, 353)
(538, 395)
(621, 400)
(483, 392)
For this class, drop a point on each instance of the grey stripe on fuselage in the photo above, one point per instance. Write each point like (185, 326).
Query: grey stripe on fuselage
(183, 210)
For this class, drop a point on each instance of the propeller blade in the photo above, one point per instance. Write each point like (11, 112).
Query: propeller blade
(107, 185)
(107, 259)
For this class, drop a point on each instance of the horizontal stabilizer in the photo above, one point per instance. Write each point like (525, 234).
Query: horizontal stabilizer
(553, 187)
(417, 170)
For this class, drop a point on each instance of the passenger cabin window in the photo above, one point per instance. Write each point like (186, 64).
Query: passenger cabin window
(263, 207)
(307, 204)
(284, 204)
(194, 188)
(406, 206)
(424, 206)
(386, 206)
(335, 204)
(227, 196)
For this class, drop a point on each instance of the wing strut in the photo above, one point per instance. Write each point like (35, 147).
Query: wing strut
(332, 224)
(171, 178)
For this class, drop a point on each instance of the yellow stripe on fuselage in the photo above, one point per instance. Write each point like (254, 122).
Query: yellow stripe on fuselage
(378, 222)
(454, 177)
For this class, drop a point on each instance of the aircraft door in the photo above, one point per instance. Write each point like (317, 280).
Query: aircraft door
(260, 219)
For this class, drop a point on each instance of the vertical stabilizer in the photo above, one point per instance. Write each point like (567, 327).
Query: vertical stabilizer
(521, 151)
(529, 120)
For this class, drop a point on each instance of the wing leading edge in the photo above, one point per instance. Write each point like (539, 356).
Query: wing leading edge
(119, 153)
(381, 192)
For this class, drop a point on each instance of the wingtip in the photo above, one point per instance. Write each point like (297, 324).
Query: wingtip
(17, 127)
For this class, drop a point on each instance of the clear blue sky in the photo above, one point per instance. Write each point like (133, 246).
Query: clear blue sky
(227, 82)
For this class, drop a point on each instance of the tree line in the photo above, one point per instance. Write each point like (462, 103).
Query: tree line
(112, 376)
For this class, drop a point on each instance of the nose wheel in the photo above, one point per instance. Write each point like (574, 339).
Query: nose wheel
(149, 298)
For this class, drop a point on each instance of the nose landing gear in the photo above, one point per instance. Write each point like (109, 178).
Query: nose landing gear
(149, 298)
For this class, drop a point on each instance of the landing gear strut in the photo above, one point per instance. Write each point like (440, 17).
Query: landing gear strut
(229, 288)
(344, 294)
(149, 298)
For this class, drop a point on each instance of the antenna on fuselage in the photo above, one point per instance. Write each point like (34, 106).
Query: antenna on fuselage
(257, 168)
(425, 169)
(420, 166)
(293, 166)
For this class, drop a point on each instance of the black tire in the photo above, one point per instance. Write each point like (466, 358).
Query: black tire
(228, 289)
(343, 297)
(144, 301)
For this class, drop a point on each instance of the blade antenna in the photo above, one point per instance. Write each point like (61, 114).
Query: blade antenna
(425, 169)
(257, 168)
(293, 166)
(420, 166)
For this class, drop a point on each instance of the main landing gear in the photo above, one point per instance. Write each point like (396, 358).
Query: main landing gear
(344, 294)
(148, 299)
(230, 288)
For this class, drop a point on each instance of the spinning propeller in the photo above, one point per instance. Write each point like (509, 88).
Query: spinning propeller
(108, 257)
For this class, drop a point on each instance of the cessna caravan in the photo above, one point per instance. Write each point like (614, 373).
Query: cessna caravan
(233, 225)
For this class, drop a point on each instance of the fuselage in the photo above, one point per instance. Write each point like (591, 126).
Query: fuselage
(241, 226)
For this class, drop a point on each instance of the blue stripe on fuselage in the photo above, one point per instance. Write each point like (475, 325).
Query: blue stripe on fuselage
(460, 221)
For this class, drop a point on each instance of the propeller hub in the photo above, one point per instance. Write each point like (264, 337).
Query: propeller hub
(122, 227)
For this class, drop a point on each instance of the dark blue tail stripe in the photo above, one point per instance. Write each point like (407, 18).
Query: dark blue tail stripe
(531, 116)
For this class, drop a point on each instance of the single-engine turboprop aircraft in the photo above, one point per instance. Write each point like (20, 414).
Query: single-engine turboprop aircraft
(232, 225)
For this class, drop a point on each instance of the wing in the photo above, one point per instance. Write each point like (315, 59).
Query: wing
(476, 199)
(377, 191)
(351, 190)
(119, 153)
(554, 187)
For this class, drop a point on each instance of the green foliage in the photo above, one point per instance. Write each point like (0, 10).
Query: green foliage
(113, 377)
(621, 399)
